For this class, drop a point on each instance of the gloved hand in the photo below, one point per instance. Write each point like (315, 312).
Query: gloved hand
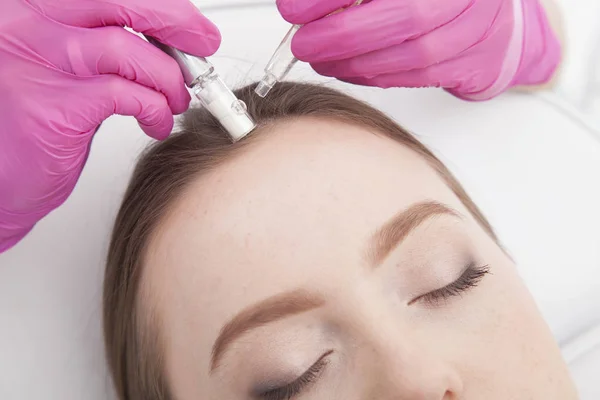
(65, 66)
(476, 49)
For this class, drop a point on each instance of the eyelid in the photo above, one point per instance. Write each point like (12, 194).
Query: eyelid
(470, 278)
(298, 385)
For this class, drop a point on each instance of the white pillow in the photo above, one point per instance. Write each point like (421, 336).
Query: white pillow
(580, 80)
(532, 167)
(583, 356)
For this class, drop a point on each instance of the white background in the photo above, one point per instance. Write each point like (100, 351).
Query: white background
(530, 162)
(580, 83)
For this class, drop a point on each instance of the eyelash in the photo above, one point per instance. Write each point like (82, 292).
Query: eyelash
(293, 389)
(468, 280)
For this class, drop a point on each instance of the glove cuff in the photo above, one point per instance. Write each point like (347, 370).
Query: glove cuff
(533, 53)
(541, 52)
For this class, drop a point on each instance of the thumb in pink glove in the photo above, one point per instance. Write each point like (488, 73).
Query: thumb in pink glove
(476, 49)
(64, 68)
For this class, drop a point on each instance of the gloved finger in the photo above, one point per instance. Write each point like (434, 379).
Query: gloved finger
(177, 23)
(106, 95)
(433, 76)
(372, 26)
(113, 50)
(304, 11)
(432, 48)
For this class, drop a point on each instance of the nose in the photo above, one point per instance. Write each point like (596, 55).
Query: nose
(404, 370)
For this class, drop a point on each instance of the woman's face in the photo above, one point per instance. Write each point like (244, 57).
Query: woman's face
(327, 262)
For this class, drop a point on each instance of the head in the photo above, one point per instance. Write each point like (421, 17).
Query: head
(328, 255)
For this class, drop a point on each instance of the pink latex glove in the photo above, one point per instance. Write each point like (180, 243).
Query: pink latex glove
(65, 66)
(476, 49)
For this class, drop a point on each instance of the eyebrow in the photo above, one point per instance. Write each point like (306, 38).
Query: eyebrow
(265, 312)
(299, 301)
(393, 232)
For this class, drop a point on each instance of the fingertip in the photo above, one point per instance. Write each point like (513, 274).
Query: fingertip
(116, 95)
(199, 36)
(195, 42)
(302, 48)
(155, 118)
(325, 68)
(190, 32)
(302, 12)
(160, 130)
(211, 36)
(313, 43)
(288, 11)
(182, 104)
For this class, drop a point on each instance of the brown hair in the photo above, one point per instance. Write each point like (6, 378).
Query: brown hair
(131, 335)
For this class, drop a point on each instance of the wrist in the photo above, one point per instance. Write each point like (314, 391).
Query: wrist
(542, 47)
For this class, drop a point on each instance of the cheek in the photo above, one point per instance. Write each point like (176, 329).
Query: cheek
(502, 344)
(509, 320)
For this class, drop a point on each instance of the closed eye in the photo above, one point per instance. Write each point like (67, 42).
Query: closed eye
(302, 383)
(469, 279)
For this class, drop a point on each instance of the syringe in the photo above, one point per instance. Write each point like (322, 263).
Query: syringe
(283, 60)
(200, 76)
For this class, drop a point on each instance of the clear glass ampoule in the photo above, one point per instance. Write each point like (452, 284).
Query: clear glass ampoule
(200, 76)
(283, 60)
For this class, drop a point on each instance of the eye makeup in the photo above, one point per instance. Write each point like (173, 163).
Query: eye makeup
(470, 278)
(292, 389)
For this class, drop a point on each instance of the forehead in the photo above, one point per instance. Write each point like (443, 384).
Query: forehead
(303, 185)
(291, 210)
